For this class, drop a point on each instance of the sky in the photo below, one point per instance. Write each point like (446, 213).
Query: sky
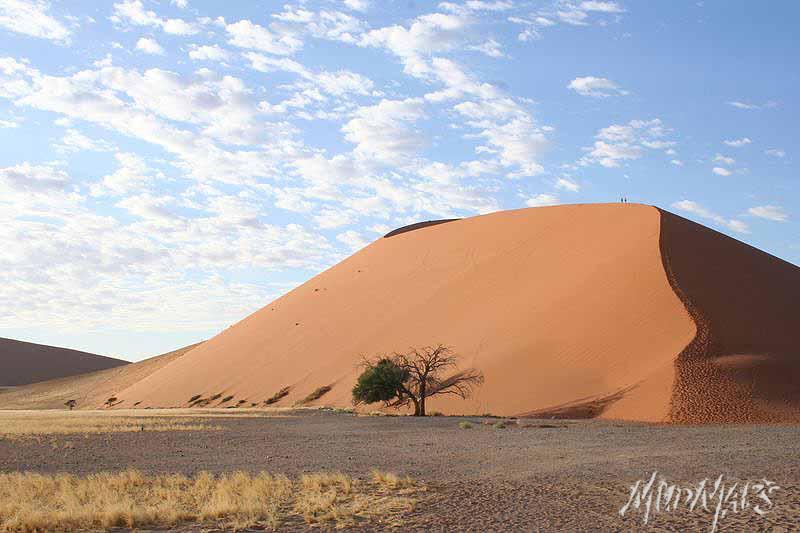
(169, 167)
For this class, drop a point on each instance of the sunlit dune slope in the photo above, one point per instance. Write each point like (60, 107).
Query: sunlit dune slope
(562, 305)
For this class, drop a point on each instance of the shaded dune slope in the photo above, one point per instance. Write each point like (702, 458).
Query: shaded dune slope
(557, 306)
(88, 390)
(26, 362)
(744, 363)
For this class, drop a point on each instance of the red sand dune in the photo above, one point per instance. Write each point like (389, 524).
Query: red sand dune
(25, 362)
(619, 311)
(614, 310)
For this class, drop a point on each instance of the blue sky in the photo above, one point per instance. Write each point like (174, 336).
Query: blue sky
(169, 167)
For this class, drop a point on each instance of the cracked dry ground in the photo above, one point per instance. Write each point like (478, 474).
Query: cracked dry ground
(574, 476)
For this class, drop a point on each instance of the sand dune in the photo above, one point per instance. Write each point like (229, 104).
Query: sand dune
(88, 390)
(610, 310)
(25, 362)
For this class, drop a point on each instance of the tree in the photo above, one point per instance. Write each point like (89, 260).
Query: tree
(413, 377)
(71, 404)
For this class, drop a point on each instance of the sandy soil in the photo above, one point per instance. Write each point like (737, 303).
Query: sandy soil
(574, 476)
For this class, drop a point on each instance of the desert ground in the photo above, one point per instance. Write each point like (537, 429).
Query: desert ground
(550, 475)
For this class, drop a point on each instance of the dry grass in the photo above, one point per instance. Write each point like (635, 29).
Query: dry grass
(15, 424)
(30, 501)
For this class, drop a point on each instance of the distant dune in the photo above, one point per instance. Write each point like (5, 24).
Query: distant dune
(611, 310)
(88, 390)
(25, 362)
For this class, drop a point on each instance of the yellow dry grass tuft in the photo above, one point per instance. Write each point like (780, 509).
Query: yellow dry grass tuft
(16, 424)
(30, 501)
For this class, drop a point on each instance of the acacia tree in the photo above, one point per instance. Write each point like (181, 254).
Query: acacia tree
(414, 376)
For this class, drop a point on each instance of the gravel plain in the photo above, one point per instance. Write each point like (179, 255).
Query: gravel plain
(553, 475)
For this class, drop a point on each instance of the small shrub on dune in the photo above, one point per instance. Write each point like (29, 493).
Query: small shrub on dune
(465, 425)
(316, 395)
(226, 399)
(278, 396)
(499, 425)
(195, 398)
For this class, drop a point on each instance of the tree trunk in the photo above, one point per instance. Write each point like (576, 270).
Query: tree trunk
(422, 393)
(416, 406)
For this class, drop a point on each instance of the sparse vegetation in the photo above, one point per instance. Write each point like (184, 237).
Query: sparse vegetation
(499, 425)
(278, 396)
(226, 399)
(464, 424)
(71, 404)
(315, 395)
(111, 401)
(130, 499)
(413, 377)
(15, 424)
(195, 398)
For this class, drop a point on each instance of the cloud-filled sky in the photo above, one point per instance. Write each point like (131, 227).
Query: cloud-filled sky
(168, 167)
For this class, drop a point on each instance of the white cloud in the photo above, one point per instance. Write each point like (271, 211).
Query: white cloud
(30, 17)
(738, 143)
(694, 208)
(134, 12)
(489, 48)
(246, 34)
(357, 5)
(34, 178)
(567, 184)
(149, 46)
(542, 200)
(384, 131)
(774, 152)
(720, 171)
(75, 141)
(337, 83)
(131, 175)
(750, 106)
(8, 124)
(677, 162)
(567, 12)
(596, 87)
(724, 160)
(427, 35)
(352, 239)
(209, 53)
(626, 142)
(769, 212)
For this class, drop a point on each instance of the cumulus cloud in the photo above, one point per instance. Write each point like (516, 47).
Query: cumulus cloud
(149, 46)
(769, 212)
(246, 34)
(689, 206)
(618, 143)
(596, 87)
(385, 131)
(32, 18)
(542, 200)
(567, 184)
(564, 12)
(774, 152)
(738, 143)
(209, 53)
(134, 13)
(720, 171)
